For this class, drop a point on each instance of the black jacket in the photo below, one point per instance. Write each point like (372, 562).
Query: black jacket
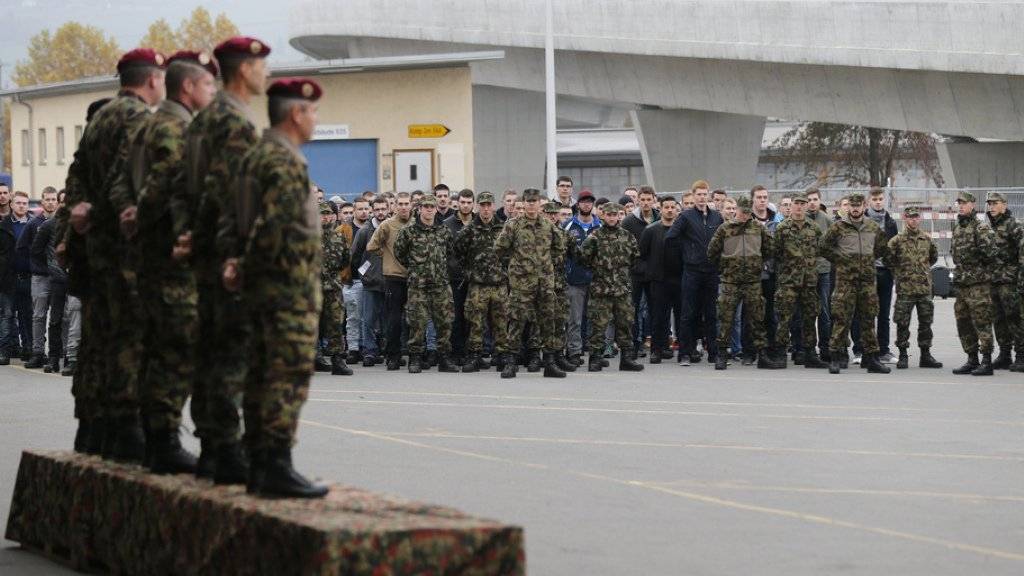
(7, 245)
(455, 226)
(661, 260)
(635, 226)
(373, 280)
(26, 244)
(692, 231)
(45, 246)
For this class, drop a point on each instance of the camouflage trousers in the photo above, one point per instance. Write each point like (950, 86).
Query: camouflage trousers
(532, 304)
(170, 336)
(849, 298)
(222, 361)
(788, 301)
(558, 321)
(905, 305)
(617, 311)
(126, 317)
(90, 373)
(283, 347)
(423, 305)
(111, 347)
(730, 296)
(332, 318)
(973, 311)
(1006, 302)
(487, 306)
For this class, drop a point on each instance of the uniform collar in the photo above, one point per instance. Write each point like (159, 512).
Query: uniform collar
(176, 109)
(234, 102)
(273, 135)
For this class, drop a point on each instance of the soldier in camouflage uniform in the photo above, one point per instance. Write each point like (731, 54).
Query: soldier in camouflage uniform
(610, 252)
(911, 256)
(145, 196)
(1006, 300)
(218, 138)
(332, 316)
(278, 272)
(424, 249)
(974, 255)
(566, 249)
(106, 404)
(527, 243)
(487, 296)
(852, 244)
(738, 250)
(796, 255)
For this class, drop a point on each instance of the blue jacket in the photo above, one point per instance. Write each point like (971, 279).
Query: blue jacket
(693, 231)
(575, 273)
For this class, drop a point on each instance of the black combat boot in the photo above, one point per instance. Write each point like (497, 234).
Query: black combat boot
(655, 356)
(393, 364)
(370, 361)
(576, 359)
(627, 362)
(969, 366)
(354, 357)
(232, 466)
(279, 479)
(124, 440)
(445, 364)
(321, 364)
(69, 368)
(471, 364)
(510, 367)
(798, 357)
(1002, 362)
(811, 360)
(166, 455)
(5, 359)
(551, 369)
(415, 364)
(765, 361)
(82, 436)
(533, 362)
(722, 362)
(903, 362)
(595, 363)
(927, 360)
(481, 363)
(207, 462)
(844, 359)
(563, 363)
(872, 365)
(429, 360)
(38, 361)
(339, 366)
(833, 364)
(985, 368)
(53, 366)
(1018, 366)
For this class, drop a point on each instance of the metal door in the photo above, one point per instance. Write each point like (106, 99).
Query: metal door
(414, 170)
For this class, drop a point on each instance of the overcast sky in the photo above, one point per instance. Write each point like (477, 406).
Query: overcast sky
(127, 21)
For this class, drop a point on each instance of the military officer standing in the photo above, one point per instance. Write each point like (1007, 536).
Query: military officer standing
(610, 252)
(332, 315)
(974, 254)
(911, 256)
(1006, 300)
(796, 256)
(738, 250)
(565, 250)
(278, 273)
(852, 244)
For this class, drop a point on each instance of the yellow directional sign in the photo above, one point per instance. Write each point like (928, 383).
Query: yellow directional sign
(428, 130)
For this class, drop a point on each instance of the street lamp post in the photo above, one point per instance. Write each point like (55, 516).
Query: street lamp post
(549, 93)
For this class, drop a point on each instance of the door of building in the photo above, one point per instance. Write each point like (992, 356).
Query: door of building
(343, 167)
(414, 170)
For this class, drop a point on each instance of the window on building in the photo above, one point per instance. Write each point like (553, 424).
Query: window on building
(26, 148)
(78, 135)
(60, 145)
(42, 146)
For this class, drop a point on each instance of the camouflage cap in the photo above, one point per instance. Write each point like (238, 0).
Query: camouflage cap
(995, 197)
(611, 208)
(799, 197)
(485, 198)
(911, 211)
(856, 199)
(428, 200)
(531, 194)
(965, 196)
(743, 204)
(325, 208)
(552, 208)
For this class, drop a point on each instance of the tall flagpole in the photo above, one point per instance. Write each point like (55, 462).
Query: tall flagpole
(549, 92)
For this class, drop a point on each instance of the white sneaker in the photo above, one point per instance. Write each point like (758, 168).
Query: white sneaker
(888, 358)
(684, 361)
(856, 360)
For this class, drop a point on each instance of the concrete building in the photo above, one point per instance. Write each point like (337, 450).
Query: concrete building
(393, 123)
(697, 78)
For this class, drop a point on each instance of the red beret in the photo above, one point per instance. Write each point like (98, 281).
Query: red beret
(241, 46)
(200, 58)
(141, 57)
(296, 88)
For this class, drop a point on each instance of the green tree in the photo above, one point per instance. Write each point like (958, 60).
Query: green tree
(199, 31)
(856, 155)
(73, 51)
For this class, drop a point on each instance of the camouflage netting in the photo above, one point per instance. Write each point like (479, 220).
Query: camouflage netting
(119, 518)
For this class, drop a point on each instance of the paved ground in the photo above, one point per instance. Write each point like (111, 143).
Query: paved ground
(671, 471)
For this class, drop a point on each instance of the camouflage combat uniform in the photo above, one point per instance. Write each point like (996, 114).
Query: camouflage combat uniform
(566, 249)
(1006, 299)
(280, 268)
(150, 180)
(219, 136)
(738, 249)
(911, 255)
(974, 247)
(424, 251)
(609, 252)
(332, 316)
(487, 298)
(853, 247)
(796, 257)
(100, 387)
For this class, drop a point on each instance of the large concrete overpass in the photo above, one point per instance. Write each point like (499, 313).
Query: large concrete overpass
(701, 75)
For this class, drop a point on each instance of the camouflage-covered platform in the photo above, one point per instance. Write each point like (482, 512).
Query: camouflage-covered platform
(99, 515)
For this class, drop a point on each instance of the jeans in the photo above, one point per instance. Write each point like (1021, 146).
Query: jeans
(371, 307)
(825, 310)
(884, 284)
(353, 326)
(396, 293)
(641, 313)
(459, 293)
(72, 327)
(666, 305)
(700, 297)
(40, 306)
(736, 338)
(23, 309)
(577, 296)
(7, 332)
